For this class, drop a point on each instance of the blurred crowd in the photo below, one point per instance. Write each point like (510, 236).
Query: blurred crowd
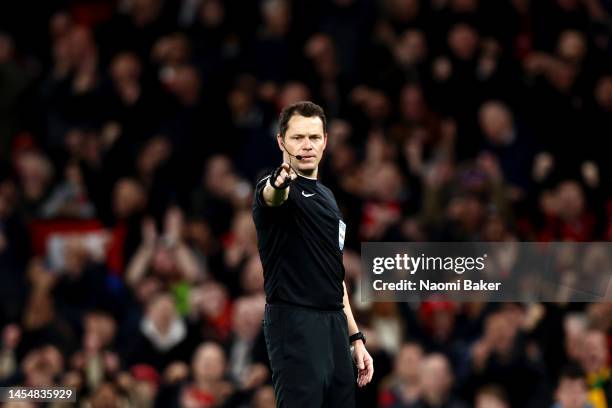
(132, 133)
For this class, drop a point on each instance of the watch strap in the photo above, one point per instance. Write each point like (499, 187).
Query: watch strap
(357, 336)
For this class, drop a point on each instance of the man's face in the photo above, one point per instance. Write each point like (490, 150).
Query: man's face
(436, 377)
(304, 137)
(408, 362)
(209, 362)
(595, 351)
(162, 313)
(572, 393)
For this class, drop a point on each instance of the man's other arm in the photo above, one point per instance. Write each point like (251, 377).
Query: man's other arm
(352, 324)
(363, 360)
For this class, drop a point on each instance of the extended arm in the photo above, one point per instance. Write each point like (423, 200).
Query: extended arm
(137, 267)
(274, 197)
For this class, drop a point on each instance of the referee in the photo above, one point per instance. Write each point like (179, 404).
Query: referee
(308, 323)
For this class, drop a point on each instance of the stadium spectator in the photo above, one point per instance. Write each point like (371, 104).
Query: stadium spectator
(572, 391)
(403, 388)
(500, 357)
(208, 387)
(594, 362)
(437, 384)
(162, 336)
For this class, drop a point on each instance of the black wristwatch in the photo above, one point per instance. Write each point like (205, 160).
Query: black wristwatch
(357, 336)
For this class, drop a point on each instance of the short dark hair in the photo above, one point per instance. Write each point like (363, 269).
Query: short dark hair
(572, 371)
(303, 108)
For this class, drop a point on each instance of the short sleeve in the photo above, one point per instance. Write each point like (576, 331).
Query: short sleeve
(263, 214)
(258, 200)
(261, 211)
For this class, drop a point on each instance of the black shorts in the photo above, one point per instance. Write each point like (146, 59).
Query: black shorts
(310, 357)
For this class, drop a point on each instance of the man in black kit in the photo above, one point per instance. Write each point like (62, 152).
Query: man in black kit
(308, 323)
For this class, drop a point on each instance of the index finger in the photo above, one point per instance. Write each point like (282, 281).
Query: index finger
(290, 171)
(370, 368)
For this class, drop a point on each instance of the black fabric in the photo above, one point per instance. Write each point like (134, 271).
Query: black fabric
(310, 357)
(300, 246)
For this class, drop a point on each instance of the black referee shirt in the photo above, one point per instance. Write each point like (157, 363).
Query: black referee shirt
(300, 245)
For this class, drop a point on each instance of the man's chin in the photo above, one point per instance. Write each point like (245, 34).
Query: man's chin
(307, 168)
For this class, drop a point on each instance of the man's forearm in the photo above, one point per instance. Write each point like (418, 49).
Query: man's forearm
(352, 325)
(137, 266)
(274, 197)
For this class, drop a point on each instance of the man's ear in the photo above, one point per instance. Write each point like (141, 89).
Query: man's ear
(324, 141)
(280, 141)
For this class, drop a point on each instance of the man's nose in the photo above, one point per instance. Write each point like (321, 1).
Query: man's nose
(307, 144)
